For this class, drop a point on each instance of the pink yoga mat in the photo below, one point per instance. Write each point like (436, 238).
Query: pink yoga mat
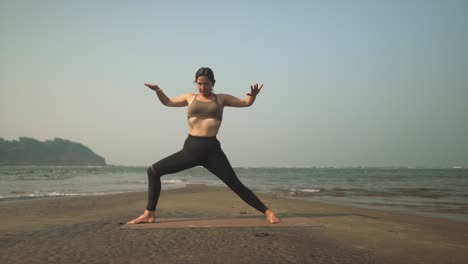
(222, 222)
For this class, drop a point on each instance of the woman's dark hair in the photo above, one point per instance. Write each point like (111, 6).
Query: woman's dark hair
(207, 72)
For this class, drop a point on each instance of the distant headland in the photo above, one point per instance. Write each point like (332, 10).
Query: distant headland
(56, 152)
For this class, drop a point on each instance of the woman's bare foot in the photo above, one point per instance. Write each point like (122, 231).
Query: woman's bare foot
(271, 217)
(146, 217)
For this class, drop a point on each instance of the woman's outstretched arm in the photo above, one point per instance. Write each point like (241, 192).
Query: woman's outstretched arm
(229, 100)
(174, 102)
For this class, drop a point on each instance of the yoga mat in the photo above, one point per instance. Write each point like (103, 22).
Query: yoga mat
(222, 222)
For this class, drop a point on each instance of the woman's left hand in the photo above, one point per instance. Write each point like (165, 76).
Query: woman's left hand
(254, 89)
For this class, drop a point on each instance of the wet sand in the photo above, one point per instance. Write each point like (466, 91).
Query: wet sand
(87, 230)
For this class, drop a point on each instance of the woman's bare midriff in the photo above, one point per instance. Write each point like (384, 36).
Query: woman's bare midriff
(208, 127)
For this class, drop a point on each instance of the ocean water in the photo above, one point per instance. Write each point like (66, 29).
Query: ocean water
(434, 192)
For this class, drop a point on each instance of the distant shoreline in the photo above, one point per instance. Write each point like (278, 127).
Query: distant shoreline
(32, 152)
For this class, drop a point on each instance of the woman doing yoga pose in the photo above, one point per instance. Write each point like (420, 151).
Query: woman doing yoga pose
(201, 148)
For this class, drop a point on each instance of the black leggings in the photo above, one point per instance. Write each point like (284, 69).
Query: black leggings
(204, 151)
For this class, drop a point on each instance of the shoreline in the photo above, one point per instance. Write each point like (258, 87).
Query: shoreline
(87, 228)
(413, 192)
(460, 218)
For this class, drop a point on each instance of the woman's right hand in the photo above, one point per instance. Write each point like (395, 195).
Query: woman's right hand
(153, 87)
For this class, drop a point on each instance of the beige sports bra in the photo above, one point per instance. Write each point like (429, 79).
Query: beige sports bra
(205, 110)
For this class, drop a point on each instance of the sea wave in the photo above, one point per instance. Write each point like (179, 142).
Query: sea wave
(173, 181)
(303, 192)
(26, 196)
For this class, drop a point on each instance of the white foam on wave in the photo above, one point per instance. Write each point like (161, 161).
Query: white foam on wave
(310, 190)
(295, 190)
(51, 194)
(172, 181)
(39, 195)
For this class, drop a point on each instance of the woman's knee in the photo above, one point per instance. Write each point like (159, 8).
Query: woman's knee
(151, 171)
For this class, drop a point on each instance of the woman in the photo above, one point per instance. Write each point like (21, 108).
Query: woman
(205, 113)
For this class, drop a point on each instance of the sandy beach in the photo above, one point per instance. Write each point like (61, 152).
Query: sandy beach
(88, 230)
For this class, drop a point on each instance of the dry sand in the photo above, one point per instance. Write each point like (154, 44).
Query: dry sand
(87, 230)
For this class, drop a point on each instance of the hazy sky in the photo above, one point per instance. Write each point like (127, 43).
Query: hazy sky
(347, 83)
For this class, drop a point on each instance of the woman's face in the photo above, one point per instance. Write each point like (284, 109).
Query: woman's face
(204, 85)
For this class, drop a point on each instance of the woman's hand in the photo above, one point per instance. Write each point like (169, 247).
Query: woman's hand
(153, 87)
(254, 89)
